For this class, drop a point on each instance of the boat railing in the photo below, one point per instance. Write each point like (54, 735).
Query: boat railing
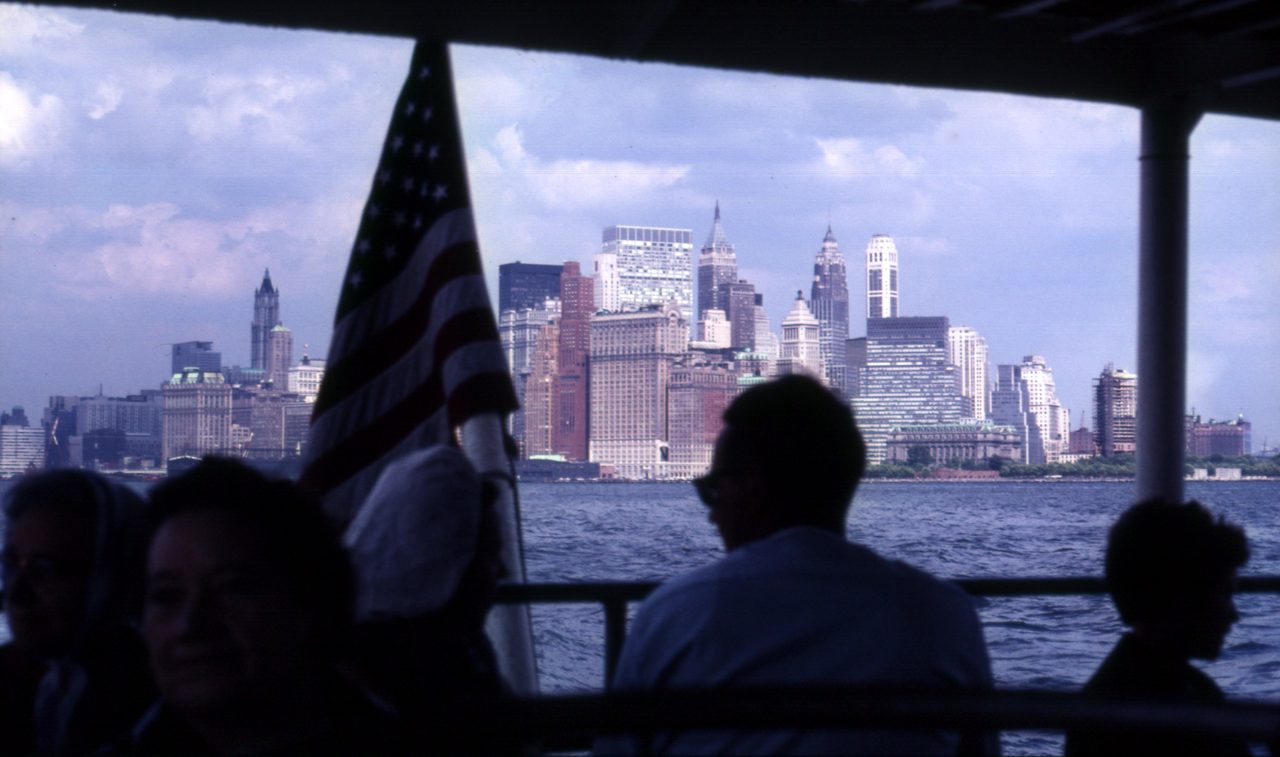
(571, 721)
(616, 596)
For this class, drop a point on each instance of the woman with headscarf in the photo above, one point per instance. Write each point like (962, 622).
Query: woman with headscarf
(75, 671)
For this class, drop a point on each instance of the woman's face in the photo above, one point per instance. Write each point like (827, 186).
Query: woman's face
(224, 627)
(48, 558)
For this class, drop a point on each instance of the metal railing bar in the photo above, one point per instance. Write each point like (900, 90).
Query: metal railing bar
(583, 715)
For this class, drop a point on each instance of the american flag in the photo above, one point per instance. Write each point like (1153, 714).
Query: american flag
(415, 349)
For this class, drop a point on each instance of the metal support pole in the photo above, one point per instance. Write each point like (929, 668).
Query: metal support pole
(1162, 298)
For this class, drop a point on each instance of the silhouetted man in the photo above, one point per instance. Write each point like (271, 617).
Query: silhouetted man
(794, 602)
(1171, 570)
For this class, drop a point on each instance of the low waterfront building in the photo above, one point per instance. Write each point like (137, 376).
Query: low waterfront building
(1225, 438)
(267, 414)
(968, 441)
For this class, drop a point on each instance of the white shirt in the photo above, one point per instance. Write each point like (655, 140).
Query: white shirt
(803, 606)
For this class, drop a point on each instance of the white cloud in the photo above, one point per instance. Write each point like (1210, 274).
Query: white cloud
(25, 28)
(583, 183)
(850, 158)
(261, 105)
(106, 98)
(27, 127)
(930, 247)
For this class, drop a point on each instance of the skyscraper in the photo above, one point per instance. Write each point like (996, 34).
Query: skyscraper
(573, 422)
(1025, 398)
(740, 299)
(1115, 411)
(279, 355)
(698, 393)
(968, 352)
(717, 266)
(526, 285)
(909, 379)
(882, 277)
(830, 298)
(197, 414)
(646, 266)
(266, 314)
(801, 350)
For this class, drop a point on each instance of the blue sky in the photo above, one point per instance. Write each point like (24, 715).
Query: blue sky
(151, 168)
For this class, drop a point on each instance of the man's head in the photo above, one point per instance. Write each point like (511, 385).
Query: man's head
(1171, 571)
(789, 455)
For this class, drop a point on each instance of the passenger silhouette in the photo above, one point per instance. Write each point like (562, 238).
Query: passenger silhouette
(1171, 570)
(427, 553)
(793, 602)
(248, 603)
(75, 674)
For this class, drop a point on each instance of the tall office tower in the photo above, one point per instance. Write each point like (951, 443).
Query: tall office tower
(607, 285)
(194, 355)
(968, 352)
(717, 266)
(538, 418)
(197, 414)
(632, 355)
(740, 298)
(882, 277)
(136, 419)
(716, 331)
(279, 356)
(909, 380)
(520, 331)
(1026, 399)
(266, 314)
(765, 341)
(527, 285)
(573, 370)
(801, 344)
(698, 393)
(1115, 412)
(653, 267)
(830, 297)
(855, 366)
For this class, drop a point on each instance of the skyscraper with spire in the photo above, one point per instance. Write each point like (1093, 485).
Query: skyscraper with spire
(266, 316)
(882, 277)
(830, 298)
(717, 266)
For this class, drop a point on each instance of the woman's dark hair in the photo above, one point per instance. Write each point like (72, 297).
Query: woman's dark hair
(120, 538)
(303, 543)
(1160, 553)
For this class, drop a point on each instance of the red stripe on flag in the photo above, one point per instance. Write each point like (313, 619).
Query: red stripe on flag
(377, 353)
(380, 435)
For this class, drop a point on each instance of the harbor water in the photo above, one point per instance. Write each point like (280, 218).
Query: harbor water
(606, 532)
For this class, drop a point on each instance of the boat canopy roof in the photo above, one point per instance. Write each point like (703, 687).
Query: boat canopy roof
(1224, 54)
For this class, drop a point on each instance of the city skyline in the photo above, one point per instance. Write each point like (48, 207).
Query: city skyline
(142, 191)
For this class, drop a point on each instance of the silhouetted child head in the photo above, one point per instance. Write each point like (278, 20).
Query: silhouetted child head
(1171, 571)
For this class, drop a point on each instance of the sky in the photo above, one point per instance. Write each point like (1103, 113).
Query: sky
(151, 169)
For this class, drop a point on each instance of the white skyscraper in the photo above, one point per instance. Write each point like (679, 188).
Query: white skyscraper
(651, 266)
(1025, 398)
(967, 351)
(801, 345)
(882, 277)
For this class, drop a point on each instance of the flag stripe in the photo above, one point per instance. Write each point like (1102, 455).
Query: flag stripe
(376, 397)
(378, 436)
(381, 351)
